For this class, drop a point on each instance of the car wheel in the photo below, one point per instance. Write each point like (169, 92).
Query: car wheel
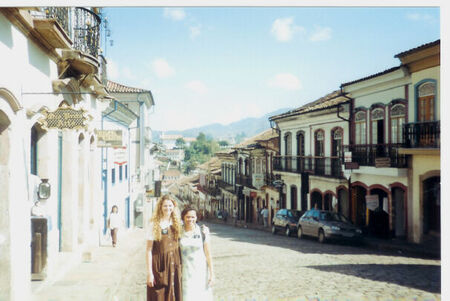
(321, 236)
(299, 233)
(274, 230)
(288, 231)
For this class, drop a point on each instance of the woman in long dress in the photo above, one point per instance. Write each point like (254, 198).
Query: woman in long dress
(163, 253)
(197, 268)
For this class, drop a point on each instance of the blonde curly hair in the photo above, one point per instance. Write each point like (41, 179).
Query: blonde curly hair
(158, 215)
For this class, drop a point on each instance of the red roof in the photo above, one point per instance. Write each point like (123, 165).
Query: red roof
(113, 87)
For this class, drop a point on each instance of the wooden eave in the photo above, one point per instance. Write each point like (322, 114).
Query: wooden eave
(422, 59)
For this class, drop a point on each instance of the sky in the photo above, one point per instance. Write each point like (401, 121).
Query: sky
(222, 64)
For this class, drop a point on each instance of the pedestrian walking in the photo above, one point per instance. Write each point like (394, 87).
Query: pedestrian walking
(114, 223)
(235, 215)
(265, 215)
(163, 252)
(198, 276)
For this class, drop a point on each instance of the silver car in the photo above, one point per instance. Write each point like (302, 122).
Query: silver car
(327, 225)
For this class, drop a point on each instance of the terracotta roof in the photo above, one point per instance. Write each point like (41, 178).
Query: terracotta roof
(114, 87)
(330, 100)
(421, 47)
(264, 136)
(213, 163)
(372, 76)
(170, 137)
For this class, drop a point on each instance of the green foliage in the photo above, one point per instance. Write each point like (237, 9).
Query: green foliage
(199, 152)
(223, 143)
(180, 143)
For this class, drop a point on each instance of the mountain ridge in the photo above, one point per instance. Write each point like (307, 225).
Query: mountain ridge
(250, 126)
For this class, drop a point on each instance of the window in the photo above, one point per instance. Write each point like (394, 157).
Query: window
(319, 140)
(113, 175)
(360, 127)
(397, 120)
(377, 126)
(33, 151)
(300, 143)
(120, 173)
(336, 140)
(425, 101)
(126, 172)
(287, 144)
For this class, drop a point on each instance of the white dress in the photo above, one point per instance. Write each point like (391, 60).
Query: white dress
(194, 267)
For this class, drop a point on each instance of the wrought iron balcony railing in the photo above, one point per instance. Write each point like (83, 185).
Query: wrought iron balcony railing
(225, 185)
(422, 134)
(370, 154)
(81, 25)
(319, 166)
(244, 180)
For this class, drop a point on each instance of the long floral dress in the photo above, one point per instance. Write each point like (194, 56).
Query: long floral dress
(194, 266)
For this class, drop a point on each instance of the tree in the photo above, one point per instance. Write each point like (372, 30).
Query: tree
(223, 143)
(180, 143)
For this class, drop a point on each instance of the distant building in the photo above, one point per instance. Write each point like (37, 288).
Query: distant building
(175, 154)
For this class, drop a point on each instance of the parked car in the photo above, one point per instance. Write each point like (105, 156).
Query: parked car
(325, 225)
(286, 220)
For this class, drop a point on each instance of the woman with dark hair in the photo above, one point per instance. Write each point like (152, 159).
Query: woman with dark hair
(163, 252)
(197, 267)
(114, 223)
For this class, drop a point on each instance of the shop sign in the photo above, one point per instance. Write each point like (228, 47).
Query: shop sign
(109, 138)
(65, 117)
(347, 156)
(258, 180)
(120, 156)
(253, 194)
(372, 202)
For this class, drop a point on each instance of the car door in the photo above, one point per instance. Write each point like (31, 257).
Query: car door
(282, 218)
(305, 223)
(315, 223)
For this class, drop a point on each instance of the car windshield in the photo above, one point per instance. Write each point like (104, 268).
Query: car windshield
(293, 213)
(332, 216)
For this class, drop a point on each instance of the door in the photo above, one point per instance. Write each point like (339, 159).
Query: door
(314, 223)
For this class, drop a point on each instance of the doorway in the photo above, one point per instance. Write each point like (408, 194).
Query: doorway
(432, 206)
(359, 206)
(316, 200)
(398, 212)
(379, 218)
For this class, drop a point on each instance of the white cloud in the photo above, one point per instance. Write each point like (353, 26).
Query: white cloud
(197, 86)
(112, 69)
(162, 68)
(420, 17)
(284, 29)
(176, 14)
(195, 31)
(127, 73)
(285, 81)
(321, 34)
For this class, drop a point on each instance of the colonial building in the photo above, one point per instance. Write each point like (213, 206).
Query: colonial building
(312, 137)
(421, 142)
(51, 99)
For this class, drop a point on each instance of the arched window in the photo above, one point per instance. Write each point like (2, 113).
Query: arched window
(360, 127)
(300, 143)
(425, 101)
(398, 113)
(377, 117)
(287, 144)
(319, 143)
(336, 141)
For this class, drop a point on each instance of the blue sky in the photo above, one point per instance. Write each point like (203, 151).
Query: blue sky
(221, 64)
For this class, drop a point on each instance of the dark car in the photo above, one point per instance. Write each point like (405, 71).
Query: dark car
(286, 220)
(325, 225)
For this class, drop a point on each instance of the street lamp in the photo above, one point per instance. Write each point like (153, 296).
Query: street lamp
(44, 189)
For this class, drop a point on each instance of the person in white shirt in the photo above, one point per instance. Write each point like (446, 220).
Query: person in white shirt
(265, 215)
(114, 223)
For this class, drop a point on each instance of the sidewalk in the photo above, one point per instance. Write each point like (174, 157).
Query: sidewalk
(97, 279)
(431, 249)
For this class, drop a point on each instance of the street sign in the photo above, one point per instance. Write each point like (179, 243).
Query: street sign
(372, 202)
(351, 165)
(278, 183)
(382, 162)
(64, 117)
(347, 156)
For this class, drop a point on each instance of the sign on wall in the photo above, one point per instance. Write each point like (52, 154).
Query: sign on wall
(64, 117)
(372, 202)
(120, 155)
(258, 180)
(109, 138)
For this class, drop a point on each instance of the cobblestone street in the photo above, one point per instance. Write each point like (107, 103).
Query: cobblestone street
(256, 265)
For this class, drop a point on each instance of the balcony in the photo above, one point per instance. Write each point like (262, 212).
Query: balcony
(64, 26)
(422, 134)
(244, 180)
(378, 155)
(225, 185)
(318, 166)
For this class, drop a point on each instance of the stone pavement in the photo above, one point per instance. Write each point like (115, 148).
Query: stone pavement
(99, 278)
(430, 249)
